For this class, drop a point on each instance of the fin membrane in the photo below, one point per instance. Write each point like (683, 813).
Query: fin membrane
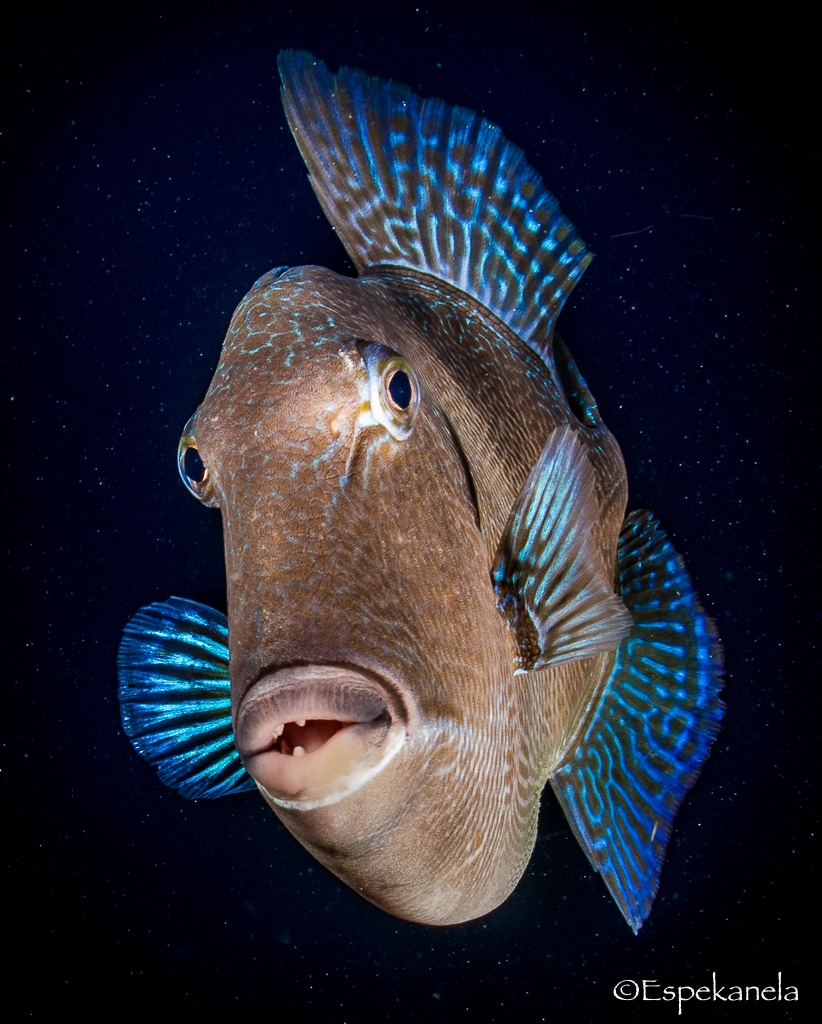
(653, 727)
(422, 184)
(546, 575)
(175, 697)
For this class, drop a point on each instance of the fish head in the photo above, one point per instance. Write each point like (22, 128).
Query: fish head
(369, 665)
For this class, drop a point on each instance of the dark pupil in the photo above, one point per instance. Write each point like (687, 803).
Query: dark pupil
(399, 388)
(193, 465)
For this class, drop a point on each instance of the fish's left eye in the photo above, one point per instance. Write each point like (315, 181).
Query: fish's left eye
(193, 470)
(393, 389)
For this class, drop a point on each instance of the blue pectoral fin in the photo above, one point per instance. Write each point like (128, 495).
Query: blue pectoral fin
(175, 697)
(546, 576)
(622, 783)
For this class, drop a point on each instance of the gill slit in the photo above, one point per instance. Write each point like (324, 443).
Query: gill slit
(466, 467)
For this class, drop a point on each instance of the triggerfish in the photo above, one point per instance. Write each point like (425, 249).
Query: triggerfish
(436, 602)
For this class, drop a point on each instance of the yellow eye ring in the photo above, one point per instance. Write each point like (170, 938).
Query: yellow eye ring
(393, 388)
(398, 388)
(193, 471)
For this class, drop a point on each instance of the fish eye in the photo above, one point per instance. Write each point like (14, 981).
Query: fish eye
(393, 389)
(193, 466)
(398, 388)
(193, 470)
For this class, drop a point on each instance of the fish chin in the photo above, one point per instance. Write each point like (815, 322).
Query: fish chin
(310, 735)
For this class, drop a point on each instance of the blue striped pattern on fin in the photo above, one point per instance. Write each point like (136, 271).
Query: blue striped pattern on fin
(175, 697)
(422, 184)
(546, 576)
(652, 730)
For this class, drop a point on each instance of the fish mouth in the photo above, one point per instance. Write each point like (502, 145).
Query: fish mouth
(310, 735)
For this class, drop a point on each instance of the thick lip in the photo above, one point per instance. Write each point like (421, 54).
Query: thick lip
(310, 735)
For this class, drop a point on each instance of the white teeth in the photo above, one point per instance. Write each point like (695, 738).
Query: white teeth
(301, 722)
(278, 730)
(298, 751)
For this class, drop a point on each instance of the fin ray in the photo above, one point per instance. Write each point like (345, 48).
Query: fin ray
(175, 697)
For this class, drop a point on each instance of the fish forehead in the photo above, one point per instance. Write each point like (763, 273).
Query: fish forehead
(292, 379)
(499, 398)
(280, 331)
(289, 361)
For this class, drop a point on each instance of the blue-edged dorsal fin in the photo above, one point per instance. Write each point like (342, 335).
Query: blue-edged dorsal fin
(651, 729)
(175, 697)
(422, 184)
(549, 583)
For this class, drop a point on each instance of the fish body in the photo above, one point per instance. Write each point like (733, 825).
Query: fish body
(435, 602)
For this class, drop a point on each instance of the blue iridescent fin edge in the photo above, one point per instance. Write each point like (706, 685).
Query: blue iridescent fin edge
(622, 784)
(175, 697)
(419, 183)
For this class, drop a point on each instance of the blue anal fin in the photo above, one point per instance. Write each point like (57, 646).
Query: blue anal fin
(622, 783)
(175, 698)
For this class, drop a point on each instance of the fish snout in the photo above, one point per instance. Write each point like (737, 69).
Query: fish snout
(310, 735)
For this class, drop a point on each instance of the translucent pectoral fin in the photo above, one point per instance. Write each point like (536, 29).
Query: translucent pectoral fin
(175, 698)
(652, 728)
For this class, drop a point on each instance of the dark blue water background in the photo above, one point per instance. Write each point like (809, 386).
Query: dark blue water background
(150, 179)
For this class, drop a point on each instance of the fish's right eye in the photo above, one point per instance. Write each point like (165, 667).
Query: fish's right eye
(398, 387)
(194, 472)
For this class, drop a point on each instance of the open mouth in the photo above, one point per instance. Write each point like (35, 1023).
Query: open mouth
(305, 736)
(309, 735)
